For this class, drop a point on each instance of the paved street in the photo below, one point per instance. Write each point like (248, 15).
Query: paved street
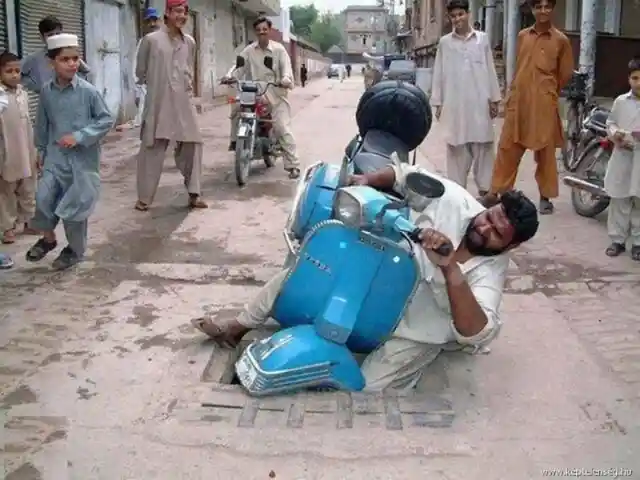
(103, 377)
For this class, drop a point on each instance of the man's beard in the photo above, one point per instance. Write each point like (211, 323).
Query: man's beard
(475, 243)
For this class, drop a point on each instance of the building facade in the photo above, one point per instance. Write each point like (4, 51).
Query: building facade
(109, 31)
(366, 30)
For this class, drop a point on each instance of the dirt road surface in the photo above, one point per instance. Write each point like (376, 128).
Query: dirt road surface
(102, 376)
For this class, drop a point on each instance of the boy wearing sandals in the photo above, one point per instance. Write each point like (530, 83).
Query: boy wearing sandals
(72, 118)
(18, 165)
(622, 180)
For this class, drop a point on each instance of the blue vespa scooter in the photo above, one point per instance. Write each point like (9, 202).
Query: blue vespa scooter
(345, 293)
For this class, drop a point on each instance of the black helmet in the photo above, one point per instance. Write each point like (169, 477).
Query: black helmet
(399, 108)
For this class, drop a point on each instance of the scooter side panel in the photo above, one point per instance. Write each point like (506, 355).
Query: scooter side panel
(391, 289)
(317, 200)
(333, 260)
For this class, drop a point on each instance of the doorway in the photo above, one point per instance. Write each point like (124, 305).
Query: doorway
(103, 51)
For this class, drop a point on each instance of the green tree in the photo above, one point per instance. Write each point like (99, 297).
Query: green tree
(325, 33)
(303, 19)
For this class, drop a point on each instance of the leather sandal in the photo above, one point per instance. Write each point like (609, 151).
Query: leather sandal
(615, 249)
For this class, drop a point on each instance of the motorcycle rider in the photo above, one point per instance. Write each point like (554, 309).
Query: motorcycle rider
(254, 69)
(457, 306)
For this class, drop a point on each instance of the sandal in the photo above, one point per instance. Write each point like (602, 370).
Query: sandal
(635, 253)
(196, 202)
(27, 230)
(40, 250)
(227, 335)
(546, 207)
(9, 236)
(141, 206)
(293, 173)
(5, 261)
(488, 200)
(616, 249)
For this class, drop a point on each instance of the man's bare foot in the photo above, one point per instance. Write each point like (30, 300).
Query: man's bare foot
(226, 333)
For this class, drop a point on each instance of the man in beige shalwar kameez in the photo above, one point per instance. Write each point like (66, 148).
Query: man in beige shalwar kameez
(282, 73)
(165, 65)
(18, 169)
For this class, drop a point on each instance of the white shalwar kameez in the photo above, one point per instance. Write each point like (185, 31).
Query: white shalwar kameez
(464, 83)
(427, 327)
(622, 180)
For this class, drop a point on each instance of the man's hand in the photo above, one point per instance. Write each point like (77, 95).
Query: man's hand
(68, 141)
(494, 108)
(618, 136)
(358, 180)
(438, 112)
(227, 80)
(431, 240)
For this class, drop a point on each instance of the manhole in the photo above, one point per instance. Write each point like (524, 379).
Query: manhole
(387, 410)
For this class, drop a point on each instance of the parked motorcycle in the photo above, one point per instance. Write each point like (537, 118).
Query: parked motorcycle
(336, 300)
(588, 195)
(255, 138)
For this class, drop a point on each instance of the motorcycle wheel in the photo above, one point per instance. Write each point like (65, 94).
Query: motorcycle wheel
(584, 203)
(242, 161)
(570, 153)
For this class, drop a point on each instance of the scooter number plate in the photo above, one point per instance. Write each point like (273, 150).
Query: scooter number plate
(246, 372)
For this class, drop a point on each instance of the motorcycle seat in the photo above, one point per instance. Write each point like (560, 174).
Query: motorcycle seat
(249, 88)
(599, 118)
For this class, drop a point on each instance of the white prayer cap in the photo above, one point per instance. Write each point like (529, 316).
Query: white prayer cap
(62, 40)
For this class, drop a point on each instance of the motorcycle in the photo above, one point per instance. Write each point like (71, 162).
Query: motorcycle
(336, 299)
(588, 195)
(255, 138)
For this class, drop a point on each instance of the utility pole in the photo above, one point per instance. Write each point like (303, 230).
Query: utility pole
(588, 42)
(490, 12)
(513, 27)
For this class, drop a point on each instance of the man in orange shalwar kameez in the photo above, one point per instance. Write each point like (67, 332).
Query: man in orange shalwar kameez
(544, 65)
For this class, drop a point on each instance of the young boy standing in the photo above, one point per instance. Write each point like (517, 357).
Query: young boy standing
(465, 93)
(72, 119)
(36, 69)
(18, 165)
(622, 180)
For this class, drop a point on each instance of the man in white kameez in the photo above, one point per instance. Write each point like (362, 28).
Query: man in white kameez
(277, 97)
(622, 180)
(456, 306)
(465, 94)
(165, 64)
(151, 24)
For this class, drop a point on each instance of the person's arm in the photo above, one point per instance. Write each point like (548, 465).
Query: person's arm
(494, 85)
(101, 122)
(475, 303)
(437, 90)
(565, 63)
(286, 71)
(142, 60)
(612, 120)
(41, 130)
(27, 74)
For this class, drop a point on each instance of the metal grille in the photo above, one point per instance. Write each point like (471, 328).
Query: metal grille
(69, 12)
(3, 25)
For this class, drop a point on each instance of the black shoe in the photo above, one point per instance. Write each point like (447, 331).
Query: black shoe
(546, 207)
(232, 146)
(66, 259)
(40, 250)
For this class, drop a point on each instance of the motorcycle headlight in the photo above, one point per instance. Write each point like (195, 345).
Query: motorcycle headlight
(347, 209)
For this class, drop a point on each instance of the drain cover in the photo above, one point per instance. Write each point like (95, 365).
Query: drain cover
(347, 409)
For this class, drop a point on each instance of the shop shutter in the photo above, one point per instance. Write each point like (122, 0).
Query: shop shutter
(3, 25)
(30, 12)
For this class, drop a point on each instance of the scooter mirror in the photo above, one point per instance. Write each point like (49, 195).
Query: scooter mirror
(239, 61)
(268, 62)
(423, 185)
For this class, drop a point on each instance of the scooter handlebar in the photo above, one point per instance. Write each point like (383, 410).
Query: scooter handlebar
(443, 250)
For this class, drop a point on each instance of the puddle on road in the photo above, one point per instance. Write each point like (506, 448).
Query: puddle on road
(144, 315)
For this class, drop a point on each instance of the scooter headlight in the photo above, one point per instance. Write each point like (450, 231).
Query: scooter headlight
(347, 209)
